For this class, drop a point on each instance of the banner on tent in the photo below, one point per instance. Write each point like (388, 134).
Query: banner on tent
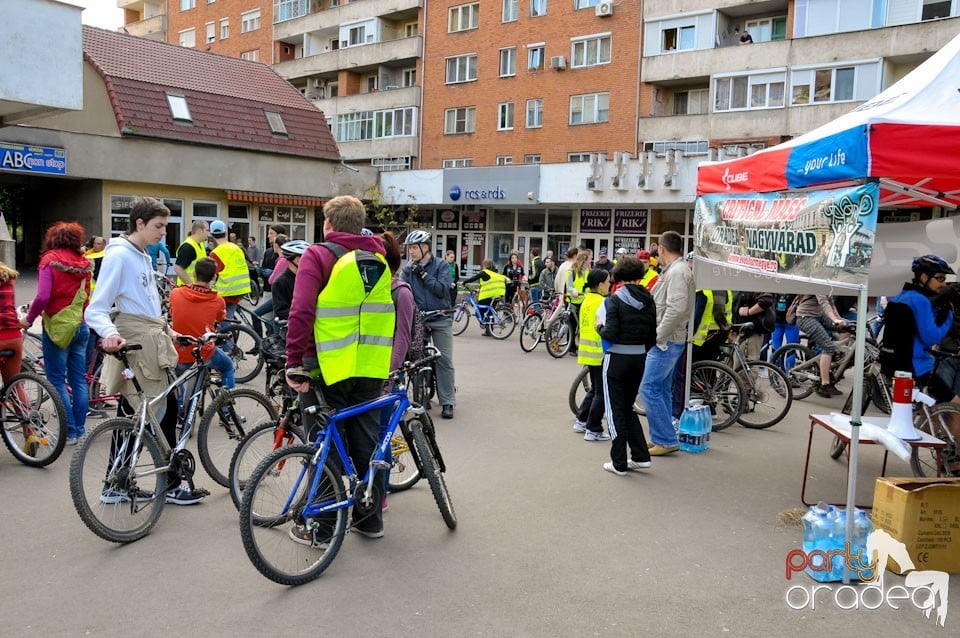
(819, 235)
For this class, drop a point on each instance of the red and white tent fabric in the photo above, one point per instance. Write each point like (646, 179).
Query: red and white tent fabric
(907, 137)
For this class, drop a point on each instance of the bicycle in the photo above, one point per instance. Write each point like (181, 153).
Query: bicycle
(767, 391)
(581, 387)
(560, 332)
(533, 327)
(34, 418)
(499, 321)
(302, 485)
(802, 363)
(243, 347)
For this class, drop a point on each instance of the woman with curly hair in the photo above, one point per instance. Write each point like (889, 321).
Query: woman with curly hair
(63, 290)
(10, 336)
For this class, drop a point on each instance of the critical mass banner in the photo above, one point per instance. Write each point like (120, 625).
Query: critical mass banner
(820, 236)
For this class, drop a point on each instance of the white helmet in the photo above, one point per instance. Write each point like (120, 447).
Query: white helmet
(417, 236)
(294, 248)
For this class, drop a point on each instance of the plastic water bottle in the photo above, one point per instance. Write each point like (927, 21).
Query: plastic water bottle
(862, 527)
(817, 527)
(689, 430)
(838, 537)
(706, 427)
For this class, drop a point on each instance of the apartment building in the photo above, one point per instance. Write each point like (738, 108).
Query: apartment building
(145, 18)
(237, 28)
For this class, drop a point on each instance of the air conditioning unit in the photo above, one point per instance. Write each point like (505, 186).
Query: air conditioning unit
(558, 62)
(318, 83)
(604, 9)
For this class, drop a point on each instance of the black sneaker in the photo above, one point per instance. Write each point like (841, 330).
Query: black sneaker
(828, 391)
(447, 412)
(300, 534)
(185, 496)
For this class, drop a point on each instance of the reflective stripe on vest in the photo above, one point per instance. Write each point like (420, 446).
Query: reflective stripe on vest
(199, 249)
(234, 279)
(353, 329)
(650, 275)
(496, 286)
(590, 351)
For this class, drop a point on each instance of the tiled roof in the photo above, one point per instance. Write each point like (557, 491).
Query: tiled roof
(226, 97)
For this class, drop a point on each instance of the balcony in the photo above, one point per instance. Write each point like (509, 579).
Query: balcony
(327, 19)
(373, 101)
(384, 147)
(358, 59)
(154, 28)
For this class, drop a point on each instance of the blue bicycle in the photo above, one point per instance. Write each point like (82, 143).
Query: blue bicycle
(298, 491)
(496, 318)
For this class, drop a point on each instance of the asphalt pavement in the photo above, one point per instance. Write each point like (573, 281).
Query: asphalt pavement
(548, 544)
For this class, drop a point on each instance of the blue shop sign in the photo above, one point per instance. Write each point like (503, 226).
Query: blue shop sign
(33, 159)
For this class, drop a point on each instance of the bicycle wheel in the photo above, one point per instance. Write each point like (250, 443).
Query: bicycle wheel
(557, 338)
(943, 423)
(531, 331)
(255, 295)
(768, 398)
(244, 351)
(804, 368)
(405, 470)
(506, 323)
(225, 422)
(461, 319)
(255, 446)
(718, 386)
(116, 501)
(430, 466)
(420, 386)
(278, 490)
(579, 389)
(34, 419)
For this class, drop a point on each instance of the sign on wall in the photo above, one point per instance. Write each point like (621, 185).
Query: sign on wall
(630, 221)
(595, 220)
(33, 159)
(448, 220)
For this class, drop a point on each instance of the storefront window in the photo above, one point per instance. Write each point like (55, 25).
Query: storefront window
(503, 219)
(292, 218)
(530, 221)
(560, 221)
(501, 245)
(677, 220)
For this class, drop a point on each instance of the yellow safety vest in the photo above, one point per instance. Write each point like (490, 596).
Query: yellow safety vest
(93, 257)
(234, 279)
(590, 351)
(707, 322)
(201, 252)
(579, 283)
(353, 328)
(647, 276)
(494, 287)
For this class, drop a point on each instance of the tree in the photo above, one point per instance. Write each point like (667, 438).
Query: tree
(390, 209)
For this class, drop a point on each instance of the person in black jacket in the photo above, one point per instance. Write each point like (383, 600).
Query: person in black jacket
(755, 308)
(630, 327)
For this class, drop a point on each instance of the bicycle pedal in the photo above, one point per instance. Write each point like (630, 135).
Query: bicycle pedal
(380, 465)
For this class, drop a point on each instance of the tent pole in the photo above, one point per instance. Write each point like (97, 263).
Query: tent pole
(689, 351)
(855, 421)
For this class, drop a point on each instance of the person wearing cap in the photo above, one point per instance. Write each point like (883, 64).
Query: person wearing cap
(233, 276)
(651, 275)
(603, 262)
(194, 247)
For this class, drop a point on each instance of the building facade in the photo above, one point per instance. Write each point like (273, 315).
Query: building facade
(145, 18)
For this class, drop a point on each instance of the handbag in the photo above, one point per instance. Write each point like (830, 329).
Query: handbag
(791, 315)
(63, 326)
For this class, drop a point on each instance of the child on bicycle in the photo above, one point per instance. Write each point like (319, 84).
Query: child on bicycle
(493, 286)
(590, 414)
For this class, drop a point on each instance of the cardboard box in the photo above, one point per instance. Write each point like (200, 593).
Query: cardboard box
(923, 514)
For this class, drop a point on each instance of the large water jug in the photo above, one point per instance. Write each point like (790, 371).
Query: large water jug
(689, 430)
(818, 539)
(862, 527)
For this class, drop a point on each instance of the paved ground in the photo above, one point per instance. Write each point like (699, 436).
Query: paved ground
(548, 544)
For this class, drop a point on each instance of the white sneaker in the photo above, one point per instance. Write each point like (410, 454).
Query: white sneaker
(596, 436)
(608, 466)
(579, 426)
(638, 465)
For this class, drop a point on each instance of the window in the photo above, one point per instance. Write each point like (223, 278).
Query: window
(372, 125)
(410, 29)
(508, 62)
(583, 4)
(690, 147)
(458, 163)
(579, 157)
(535, 57)
(463, 17)
(357, 35)
(531, 159)
(409, 77)
(822, 17)
(841, 84)
(179, 109)
(188, 38)
(590, 108)
(250, 21)
(692, 102)
(372, 83)
(538, 8)
(289, 9)
(275, 120)
(224, 28)
(767, 29)
(933, 9)
(759, 91)
(505, 116)
(252, 55)
(462, 68)
(535, 113)
(678, 38)
(511, 10)
(590, 51)
(402, 163)
(504, 160)
(460, 120)
(292, 218)
(186, 5)
(211, 32)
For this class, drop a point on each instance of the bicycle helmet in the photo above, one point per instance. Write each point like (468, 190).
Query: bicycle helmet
(931, 265)
(417, 236)
(294, 248)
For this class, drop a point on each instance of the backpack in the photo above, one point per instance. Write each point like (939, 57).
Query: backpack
(418, 334)
(896, 349)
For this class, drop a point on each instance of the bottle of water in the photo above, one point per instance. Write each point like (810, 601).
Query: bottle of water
(689, 430)
(838, 538)
(817, 526)
(706, 427)
(862, 527)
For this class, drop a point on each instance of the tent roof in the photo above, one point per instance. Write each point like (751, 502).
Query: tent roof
(907, 137)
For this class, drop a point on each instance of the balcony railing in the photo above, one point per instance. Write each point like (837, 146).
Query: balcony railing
(284, 10)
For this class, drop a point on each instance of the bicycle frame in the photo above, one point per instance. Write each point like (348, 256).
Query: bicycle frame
(487, 317)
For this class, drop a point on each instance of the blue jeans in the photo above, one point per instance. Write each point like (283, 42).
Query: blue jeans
(65, 366)
(656, 392)
(784, 333)
(263, 310)
(536, 293)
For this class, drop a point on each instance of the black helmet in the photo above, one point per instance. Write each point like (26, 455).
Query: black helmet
(931, 265)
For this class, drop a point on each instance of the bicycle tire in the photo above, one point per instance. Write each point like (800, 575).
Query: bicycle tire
(461, 319)
(255, 295)
(505, 325)
(923, 461)
(405, 466)
(430, 468)
(244, 352)
(580, 383)
(768, 399)
(557, 337)
(284, 477)
(531, 331)
(92, 482)
(804, 373)
(719, 387)
(255, 446)
(233, 410)
(34, 419)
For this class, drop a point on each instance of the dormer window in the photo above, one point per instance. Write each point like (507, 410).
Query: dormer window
(179, 108)
(275, 120)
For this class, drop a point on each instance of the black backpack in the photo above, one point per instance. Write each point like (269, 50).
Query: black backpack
(896, 349)
(418, 335)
